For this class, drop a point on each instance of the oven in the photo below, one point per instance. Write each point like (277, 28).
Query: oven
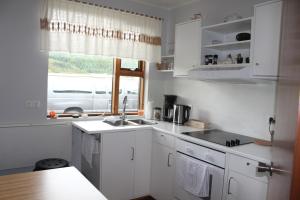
(212, 160)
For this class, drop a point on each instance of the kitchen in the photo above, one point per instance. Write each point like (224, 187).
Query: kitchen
(28, 136)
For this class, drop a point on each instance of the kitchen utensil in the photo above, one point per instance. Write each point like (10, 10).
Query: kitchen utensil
(168, 107)
(181, 114)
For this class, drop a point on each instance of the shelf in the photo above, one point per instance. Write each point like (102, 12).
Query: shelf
(230, 45)
(231, 26)
(168, 56)
(221, 67)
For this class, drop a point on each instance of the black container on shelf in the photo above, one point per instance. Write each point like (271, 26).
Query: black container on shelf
(215, 60)
(243, 36)
(239, 59)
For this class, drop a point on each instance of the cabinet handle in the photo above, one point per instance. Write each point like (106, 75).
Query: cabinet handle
(132, 155)
(257, 64)
(169, 155)
(229, 182)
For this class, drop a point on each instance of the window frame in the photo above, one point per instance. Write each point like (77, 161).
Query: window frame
(118, 72)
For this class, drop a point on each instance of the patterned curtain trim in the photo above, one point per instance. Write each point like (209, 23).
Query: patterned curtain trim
(56, 26)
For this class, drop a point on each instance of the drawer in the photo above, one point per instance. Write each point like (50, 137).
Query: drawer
(163, 138)
(246, 167)
(201, 152)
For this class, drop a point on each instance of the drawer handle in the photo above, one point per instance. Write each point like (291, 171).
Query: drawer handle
(229, 183)
(169, 155)
(132, 155)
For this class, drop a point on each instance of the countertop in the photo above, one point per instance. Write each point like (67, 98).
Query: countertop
(251, 151)
(63, 184)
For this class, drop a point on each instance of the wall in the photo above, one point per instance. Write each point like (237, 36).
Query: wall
(243, 109)
(23, 77)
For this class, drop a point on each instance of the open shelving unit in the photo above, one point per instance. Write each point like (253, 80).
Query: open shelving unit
(220, 39)
(167, 60)
(222, 67)
(231, 26)
(230, 45)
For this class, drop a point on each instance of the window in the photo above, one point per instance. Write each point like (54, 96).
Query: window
(88, 83)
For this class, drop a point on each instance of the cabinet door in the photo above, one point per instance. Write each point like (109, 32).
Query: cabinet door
(242, 187)
(143, 144)
(118, 165)
(187, 47)
(267, 28)
(162, 170)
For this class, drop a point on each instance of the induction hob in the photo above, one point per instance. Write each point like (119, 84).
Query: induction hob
(221, 137)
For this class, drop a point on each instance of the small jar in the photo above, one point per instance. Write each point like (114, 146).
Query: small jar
(157, 114)
(215, 60)
(206, 60)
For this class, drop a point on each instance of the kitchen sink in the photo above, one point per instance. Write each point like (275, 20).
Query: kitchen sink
(120, 123)
(142, 122)
(133, 122)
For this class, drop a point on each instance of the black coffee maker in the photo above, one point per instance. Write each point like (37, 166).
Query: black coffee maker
(168, 111)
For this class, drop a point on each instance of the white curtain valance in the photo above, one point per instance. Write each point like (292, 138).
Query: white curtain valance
(82, 28)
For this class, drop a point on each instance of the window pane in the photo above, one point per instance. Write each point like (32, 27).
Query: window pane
(82, 81)
(131, 64)
(130, 87)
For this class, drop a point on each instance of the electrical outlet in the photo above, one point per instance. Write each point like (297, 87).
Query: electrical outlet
(28, 104)
(32, 104)
(36, 104)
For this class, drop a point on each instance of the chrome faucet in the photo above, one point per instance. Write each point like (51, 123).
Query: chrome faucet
(123, 115)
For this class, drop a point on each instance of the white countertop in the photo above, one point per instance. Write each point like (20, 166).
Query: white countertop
(251, 151)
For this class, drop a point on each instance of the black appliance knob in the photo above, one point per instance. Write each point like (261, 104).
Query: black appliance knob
(228, 143)
(232, 143)
(237, 142)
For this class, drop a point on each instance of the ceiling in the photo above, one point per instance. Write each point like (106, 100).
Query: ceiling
(166, 4)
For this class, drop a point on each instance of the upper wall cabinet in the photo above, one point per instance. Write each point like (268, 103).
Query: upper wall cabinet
(267, 28)
(187, 47)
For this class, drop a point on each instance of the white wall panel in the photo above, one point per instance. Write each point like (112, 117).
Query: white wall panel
(23, 146)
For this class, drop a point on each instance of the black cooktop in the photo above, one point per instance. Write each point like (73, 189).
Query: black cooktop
(221, 137)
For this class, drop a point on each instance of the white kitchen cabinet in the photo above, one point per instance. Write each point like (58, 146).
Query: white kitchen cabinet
(142, 173)
(243, 182)
(117, 165)
(242, 187)
(267, 31)
(125, 164)
(162, 166)
(187, 47)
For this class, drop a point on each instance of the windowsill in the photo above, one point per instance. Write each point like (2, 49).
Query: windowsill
(89, 118)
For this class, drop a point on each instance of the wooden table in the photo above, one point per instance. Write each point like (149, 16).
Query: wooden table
(56, 184)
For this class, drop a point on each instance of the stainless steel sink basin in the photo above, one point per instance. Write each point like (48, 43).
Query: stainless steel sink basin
(142, 122)
(120, 123)
(133, 122)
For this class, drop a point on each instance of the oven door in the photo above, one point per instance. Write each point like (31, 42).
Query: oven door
(215, 183)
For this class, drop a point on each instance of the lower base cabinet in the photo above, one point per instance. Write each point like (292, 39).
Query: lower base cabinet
(241, 187)
(162, 168)
(125, 164)
(243, 181)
